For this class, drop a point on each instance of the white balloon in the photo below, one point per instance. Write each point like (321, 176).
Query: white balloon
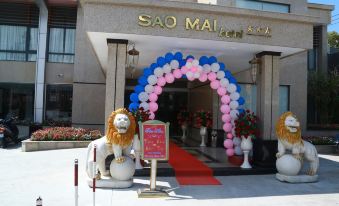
(233, 122)
(207, 68)
(196, 75)
(149, 88)
(234, 104)
(189, 74)
(224, 82)
(144, 105)
(174, 64)
(233, 131)
(235, 96)
(152, 79)
(231, 88)
(236, 141)
(238, 150)
(195, 62)
(200, 69)
(234, 114)
(158, 72)
(167, 68)
(215, 67)
(143, 96)
(220, 74)
(188, 64)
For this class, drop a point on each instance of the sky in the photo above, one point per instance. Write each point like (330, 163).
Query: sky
(334, 26)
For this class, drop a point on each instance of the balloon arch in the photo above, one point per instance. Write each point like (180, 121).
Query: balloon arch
(174, 66)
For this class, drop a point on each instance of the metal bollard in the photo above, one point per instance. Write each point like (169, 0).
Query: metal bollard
(39, 201)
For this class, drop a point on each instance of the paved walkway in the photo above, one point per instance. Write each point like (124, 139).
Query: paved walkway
(49, 174)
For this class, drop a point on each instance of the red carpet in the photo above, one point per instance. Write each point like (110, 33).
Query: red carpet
(188, 169)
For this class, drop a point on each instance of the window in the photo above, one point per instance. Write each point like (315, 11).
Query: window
(59, 102)
(18, 100)
(312, 60)
(249, 93)
(263, 6)
(284, 99)
(18, 32)
(61, 45)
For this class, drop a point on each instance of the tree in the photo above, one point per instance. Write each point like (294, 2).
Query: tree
(333, 39)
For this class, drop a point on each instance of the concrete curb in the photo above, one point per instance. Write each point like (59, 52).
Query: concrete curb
(30, 146)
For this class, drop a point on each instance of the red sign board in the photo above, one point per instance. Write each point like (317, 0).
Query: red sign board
(154, 141)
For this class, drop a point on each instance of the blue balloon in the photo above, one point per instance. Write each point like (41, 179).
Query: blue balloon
(142, 81)
(138, 89)
(222, 66)
(203, 60)
(238, 88)
(169, 56)
(153, 66)
(147, 72)
(182, 62)
(133, 106)
(178, 56)
(161, 61)
(228, 74)
(134, 97)
(241, 101)
(184, 76)
(189, 57)
(241, 111)
(212, 60)
(232, 80)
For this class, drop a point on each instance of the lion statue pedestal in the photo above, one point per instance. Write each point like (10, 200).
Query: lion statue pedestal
(119, 140)
(289, 139)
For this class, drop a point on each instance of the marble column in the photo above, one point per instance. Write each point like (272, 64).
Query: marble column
(268, 93)
(115, 75)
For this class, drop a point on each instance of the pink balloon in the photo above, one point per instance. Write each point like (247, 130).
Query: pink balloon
(190, 78)
(221, 91)
(161, 81)
(157, 90)
(229, 136)
(190, 60)
(225, 99)
(177, 73)
(230, 152)
(153, 107)
(194, 69)
(212, 76)
(151, 115)
(225, 109)
(227, 126)
(153, 97)
(169, 78)
(184, 70)
(225, 117)
(228, 144)
(203, 77)
(215, 84)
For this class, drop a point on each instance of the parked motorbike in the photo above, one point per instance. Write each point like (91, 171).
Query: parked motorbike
(10, 132)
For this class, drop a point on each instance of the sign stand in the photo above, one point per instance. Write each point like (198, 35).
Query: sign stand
(154, 139)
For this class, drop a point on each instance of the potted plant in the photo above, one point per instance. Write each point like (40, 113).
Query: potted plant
(184, 118)
(203, 120)
(246, 127)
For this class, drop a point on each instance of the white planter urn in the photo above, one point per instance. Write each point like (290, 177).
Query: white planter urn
(184, 132)
(246, 146)
(203, 133)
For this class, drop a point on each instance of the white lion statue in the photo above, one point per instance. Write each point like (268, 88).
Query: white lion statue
(289, 138)
(119, 140)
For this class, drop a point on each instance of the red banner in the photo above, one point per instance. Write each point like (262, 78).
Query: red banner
(154, 141)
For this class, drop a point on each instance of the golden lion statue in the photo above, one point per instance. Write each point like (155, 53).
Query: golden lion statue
(289, 138)
(119, 141)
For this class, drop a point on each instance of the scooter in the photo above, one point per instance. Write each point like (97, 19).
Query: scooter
(10, 133)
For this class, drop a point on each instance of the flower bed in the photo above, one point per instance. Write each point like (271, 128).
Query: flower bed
(65, 134)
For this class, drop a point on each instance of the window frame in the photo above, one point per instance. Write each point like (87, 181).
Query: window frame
(27, 50)
(267, 2)
(63, 45)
